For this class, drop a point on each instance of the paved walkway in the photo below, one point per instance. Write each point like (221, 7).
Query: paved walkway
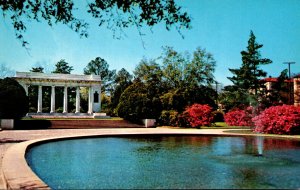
(13, 137)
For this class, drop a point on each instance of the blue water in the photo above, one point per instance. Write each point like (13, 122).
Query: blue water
(170, 162)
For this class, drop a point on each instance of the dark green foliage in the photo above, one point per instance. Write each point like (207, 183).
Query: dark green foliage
(178, 99)
(279, 92)
(180, 71)
(37, 69)
(46, 91)
(218, 116)
(151, 73)
(170, 86)
(63, 67)
(173, 100)
(168, 117)
(13, 99)
(59, 110)
(247, 88)
(234, 97)
(122, 81)
(114, 14)
(247, 77)
(135, 104)
(100, 67)
(200, 95)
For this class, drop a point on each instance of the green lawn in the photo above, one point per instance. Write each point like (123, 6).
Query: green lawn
(223, 125)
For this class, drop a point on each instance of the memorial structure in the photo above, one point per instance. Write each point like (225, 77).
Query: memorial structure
(92, 82)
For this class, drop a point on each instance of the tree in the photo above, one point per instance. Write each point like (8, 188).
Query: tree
(178, 99)
(181, 71)
(37, 69)
(122, 81)
(247, 77)
(115, 14)
(63, 67)
(100, 67)
(150, 72)
(278, 94)
(13, 99)
(135, 103)
(234, 97)
(173, 64)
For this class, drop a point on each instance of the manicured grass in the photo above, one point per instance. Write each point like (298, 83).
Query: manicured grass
(217, 125)
(223, 125)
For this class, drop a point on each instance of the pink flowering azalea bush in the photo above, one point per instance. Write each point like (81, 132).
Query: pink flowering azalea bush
(240, 117)
(196, 115)
(283, 119)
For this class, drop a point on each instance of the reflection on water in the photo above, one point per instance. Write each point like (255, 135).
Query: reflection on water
(260, 145)
(168, 162)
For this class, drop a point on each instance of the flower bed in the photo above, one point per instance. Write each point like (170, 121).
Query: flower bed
(283, 119)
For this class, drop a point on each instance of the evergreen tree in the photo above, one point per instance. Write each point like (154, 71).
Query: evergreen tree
(122, 80)
(63, 67)
(37, 69)
(248, 75)
(100, 67)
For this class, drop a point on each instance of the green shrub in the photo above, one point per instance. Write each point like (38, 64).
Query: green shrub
(59, 110)
(46, 110)
(136, 104)
(218, 116)
(32, 110)
(168, 117)
(13, 99)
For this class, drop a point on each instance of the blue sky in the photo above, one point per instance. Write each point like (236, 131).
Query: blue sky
(222, 27)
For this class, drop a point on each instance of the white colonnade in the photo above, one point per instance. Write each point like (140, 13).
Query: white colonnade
(92, 82)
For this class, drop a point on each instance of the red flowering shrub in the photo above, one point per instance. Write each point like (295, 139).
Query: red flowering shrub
(283, 119)
(238, 117)
(197, 115)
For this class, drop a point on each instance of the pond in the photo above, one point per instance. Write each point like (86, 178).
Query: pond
(171, 162)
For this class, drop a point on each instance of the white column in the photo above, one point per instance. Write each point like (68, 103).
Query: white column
(77, 100)
(52, 99)
(91, 100)
(65, 100)
(40, 101)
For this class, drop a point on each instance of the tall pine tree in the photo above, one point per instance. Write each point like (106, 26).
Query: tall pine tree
(247, 77)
